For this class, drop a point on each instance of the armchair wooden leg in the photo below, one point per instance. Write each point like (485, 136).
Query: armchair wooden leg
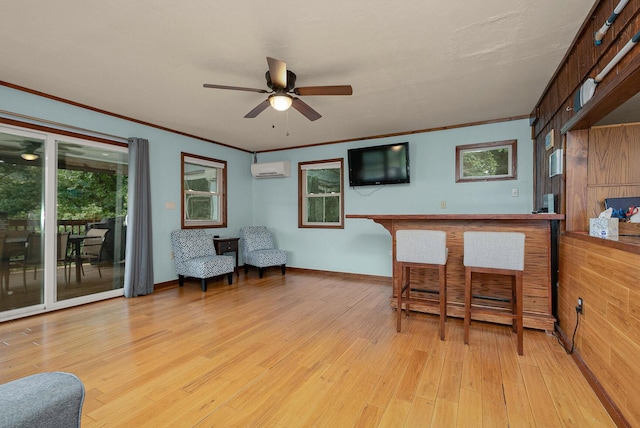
(230, 278)
(246, 268)
(204, 284)
(180, 280)
(283, 268)
(260, 272)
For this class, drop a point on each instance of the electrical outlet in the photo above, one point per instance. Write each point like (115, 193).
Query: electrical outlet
(579, 307)
(172, 256)
(515, 193)
(443, 204)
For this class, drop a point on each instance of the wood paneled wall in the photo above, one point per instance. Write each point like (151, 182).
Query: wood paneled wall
(555, 111)
(613, 155)
(602, 162)
(576, 155)
(607, 339)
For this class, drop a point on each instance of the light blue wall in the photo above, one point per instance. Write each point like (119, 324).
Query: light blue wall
(362, 246)
(164, 156)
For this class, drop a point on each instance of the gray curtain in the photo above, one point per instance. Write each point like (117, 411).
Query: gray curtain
(138, 274)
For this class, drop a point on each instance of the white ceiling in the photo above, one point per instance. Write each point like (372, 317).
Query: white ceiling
(413, 65)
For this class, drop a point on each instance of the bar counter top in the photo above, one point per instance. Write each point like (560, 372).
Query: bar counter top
(540, 231)
(630, 244)
(541, 216)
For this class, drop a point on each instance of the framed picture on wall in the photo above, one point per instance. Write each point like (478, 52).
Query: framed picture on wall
(548, 140)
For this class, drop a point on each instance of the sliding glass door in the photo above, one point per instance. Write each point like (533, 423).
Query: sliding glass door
(92, 208)
(21, 214)
(63, 206)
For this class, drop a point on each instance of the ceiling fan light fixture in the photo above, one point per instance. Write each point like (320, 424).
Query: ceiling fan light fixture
(280, 102)
(29, 156)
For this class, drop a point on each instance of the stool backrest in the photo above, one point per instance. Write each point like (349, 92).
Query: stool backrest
(421, 246)
(497, 250)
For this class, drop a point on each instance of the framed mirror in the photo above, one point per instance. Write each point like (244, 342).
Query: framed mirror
(486, 161)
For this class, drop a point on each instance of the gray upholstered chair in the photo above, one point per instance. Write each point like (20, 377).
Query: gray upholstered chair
(258, 249)
(499, 253)
(195, 257)
(421, 249)
(44, 400)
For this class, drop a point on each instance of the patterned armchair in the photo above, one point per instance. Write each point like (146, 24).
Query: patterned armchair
(259, 250)
(196, 257)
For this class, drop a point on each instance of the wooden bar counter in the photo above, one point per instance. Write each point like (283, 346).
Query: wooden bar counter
(539, 230)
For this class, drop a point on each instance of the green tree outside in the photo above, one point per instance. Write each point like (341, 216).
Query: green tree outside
(486, 163)
(82, 195)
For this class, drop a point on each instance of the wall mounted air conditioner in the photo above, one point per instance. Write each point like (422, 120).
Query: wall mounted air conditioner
(271, 169)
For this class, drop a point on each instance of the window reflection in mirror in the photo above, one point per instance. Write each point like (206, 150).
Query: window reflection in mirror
(486, 161)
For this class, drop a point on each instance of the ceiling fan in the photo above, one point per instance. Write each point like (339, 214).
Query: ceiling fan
(282, 83)
(30, 150)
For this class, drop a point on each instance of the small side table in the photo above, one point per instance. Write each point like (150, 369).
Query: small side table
(227, 245)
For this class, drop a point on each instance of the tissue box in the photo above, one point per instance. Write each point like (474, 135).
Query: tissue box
(606, 228)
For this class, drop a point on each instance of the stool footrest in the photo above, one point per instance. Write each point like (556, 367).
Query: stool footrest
(506, 313)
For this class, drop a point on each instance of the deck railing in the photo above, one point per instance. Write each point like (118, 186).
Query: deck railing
(76, 227)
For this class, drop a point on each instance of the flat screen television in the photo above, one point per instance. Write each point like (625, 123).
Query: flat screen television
(386, 164)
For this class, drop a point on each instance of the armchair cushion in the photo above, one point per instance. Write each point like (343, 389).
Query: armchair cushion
(201, 246)
(44, 400)
(209, 266)
(266, 258)
(259, 241)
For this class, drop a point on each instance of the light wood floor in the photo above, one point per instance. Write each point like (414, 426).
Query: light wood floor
(31, 294)
(301, 350)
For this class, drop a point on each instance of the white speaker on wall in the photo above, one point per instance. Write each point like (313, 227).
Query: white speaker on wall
(555, 163)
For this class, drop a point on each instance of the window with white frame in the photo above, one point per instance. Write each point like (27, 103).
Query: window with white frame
(204, 194)
(320, 194)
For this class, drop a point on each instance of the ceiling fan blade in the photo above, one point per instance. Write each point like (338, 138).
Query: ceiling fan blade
(305, 109)
(324, 90)
(278, 72)
(235, 88)
(257, 109)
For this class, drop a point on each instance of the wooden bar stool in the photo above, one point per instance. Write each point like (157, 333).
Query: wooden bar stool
(495, 253)
(421, 249)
